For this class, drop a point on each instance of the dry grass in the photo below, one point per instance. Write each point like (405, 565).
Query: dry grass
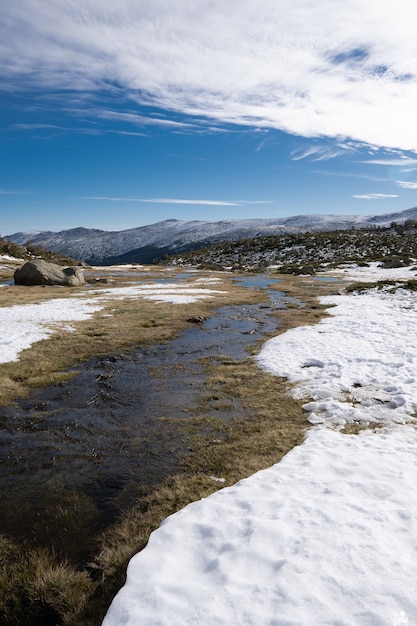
(273, 423)
(17, 295)
(37, 589)
(354, 428)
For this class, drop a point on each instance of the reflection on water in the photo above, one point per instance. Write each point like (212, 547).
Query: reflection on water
(258, 281)
(327, 279)
(74, 455)
(181, 277)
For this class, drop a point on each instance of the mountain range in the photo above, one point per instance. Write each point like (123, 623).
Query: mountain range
(146, 243)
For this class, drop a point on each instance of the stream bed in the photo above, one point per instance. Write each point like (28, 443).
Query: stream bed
(74, 455)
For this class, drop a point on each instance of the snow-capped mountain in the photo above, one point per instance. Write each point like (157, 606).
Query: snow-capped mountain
(145, 243)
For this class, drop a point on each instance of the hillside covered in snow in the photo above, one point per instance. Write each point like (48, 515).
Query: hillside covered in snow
(146, 243)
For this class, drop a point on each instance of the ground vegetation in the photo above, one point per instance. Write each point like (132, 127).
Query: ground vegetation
(291, 253)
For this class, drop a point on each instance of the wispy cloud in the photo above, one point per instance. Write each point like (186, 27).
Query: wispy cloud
(36, 127)
(139, 120)
(312, 68)
(405, 162)
(318, 153)
(342, 174)
(186, 201)
(177, 200)
(406, 184)
(126, 132)
(375, 196)
(161, 200)
(10, 192)
(53, 130)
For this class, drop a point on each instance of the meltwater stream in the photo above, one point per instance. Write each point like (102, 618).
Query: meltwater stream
(72, 456)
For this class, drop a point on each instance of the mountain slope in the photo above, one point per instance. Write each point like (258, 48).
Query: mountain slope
(145, 243)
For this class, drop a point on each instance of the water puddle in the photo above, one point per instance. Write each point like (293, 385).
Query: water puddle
(74, 455)
(326, 279)
(179, 278)
(258, 281)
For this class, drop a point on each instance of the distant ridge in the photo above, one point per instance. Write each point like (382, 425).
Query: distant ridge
(146, 243)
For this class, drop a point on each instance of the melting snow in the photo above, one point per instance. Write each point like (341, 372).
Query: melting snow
(358, 364)
(23, 325)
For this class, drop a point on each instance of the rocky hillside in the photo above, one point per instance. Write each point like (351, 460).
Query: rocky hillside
(293, 252)
(29, 252)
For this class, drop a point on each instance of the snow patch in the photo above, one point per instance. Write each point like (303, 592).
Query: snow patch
(23, 325)
(326, 536)
(358, 364)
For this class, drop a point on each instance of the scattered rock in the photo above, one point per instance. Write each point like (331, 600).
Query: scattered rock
(212, 266)
(95, 281)
(197, 319)
(41, 272)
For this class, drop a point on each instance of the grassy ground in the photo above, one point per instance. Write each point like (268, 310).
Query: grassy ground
(36, 587)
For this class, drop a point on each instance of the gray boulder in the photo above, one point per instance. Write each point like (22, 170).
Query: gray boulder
(387, 265)
(41, 272)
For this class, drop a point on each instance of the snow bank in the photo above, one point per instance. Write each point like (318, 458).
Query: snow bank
(327, 536)
(175, 293)
(357, 365)
(22, 325)
(373, 272)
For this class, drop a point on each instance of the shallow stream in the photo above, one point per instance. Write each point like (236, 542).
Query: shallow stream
(72, 456)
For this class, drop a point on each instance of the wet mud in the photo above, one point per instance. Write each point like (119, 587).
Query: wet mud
(73, 456)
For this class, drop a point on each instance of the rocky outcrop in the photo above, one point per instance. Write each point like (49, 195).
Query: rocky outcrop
(41, 272)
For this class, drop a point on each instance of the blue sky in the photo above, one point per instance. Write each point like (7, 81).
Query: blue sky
(116, 115)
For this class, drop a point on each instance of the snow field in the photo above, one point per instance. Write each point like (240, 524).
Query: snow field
(373, 272)
(327, 536)
(23, 325)
(359, 364)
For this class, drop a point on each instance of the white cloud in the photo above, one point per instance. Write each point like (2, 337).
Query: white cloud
(186, 201)
(375, 196)
(406, 184)
(400, 162)
(173, 200)
(311, 68)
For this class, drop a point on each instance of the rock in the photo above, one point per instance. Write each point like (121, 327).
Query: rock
(41, 272)
(387, 265)
(95, 281)
(198, 319)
